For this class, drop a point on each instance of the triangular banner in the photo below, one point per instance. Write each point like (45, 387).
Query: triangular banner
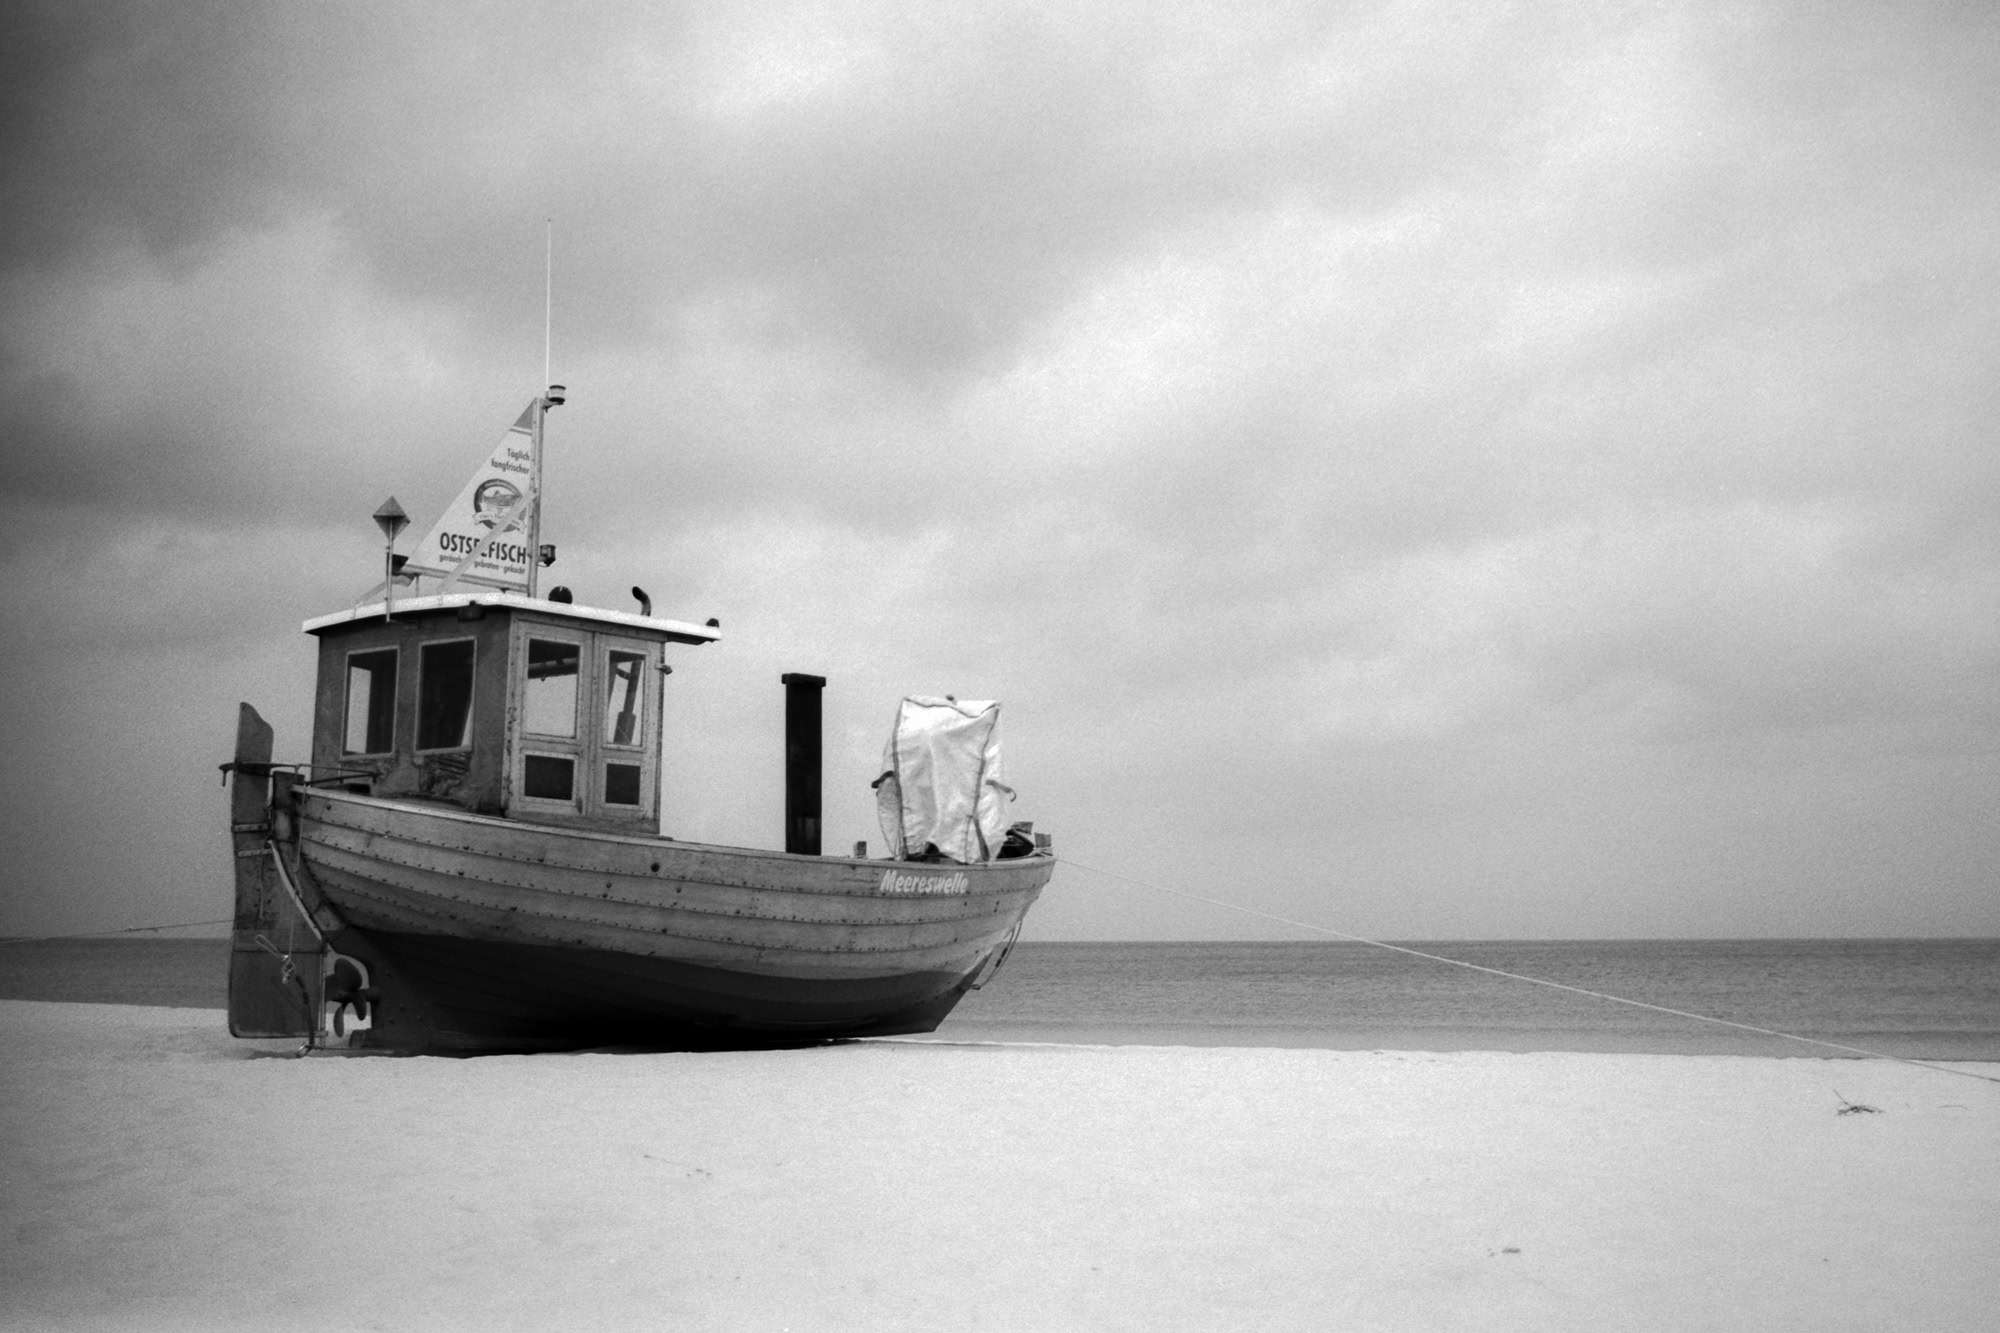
(483, 536)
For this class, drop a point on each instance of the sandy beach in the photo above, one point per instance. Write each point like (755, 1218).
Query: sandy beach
(160, 1175)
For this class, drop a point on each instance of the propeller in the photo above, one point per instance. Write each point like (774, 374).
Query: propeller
(347, 988)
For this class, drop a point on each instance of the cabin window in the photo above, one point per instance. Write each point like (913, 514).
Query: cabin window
(621, 784)
(624, 703)
(371, 702)
(444, 696)
(550, 706)
(548, 777)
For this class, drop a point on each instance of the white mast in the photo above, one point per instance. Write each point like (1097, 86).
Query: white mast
(551, 395)
(492, 534)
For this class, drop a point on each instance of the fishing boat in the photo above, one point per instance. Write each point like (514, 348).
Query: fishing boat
(472, 858)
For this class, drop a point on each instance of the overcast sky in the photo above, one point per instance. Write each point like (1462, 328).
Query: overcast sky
(1427, 470)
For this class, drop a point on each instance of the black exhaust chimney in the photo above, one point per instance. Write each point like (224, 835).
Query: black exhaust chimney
(802, 728)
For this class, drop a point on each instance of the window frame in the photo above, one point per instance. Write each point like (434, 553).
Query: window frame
(638, 769)
(394, 653)
(465, 740)
(643, 718)
(570, 801)
(582, 649)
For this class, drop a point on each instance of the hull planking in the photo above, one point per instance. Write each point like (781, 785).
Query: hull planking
(480, 933)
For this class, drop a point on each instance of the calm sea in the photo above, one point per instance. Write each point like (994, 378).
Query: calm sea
(1919, 999)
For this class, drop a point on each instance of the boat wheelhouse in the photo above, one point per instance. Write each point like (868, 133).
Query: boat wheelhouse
(500, 704)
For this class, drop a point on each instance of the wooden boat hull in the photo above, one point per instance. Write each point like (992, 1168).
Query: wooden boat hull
(479, 933)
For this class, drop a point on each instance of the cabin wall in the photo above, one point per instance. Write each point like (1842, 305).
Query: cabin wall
(469, 777)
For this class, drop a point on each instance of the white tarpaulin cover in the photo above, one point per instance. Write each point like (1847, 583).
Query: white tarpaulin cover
(940, 786)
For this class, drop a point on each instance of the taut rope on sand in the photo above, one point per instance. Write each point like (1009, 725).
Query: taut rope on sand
(97, 934)
(1518, 976)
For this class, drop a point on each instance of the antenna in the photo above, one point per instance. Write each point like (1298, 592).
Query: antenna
(548, 298)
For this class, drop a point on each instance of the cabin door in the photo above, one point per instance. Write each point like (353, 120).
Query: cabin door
(548, 726)
(624, 760)
(587, 727)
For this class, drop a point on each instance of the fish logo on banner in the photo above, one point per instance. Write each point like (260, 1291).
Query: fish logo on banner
(486, 529)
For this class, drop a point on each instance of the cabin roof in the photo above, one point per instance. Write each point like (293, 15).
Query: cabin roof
(673, 631)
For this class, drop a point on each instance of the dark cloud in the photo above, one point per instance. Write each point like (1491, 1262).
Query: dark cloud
(129, 124)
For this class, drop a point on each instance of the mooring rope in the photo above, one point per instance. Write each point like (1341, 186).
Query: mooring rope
(1520, 976)
(97, 934)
